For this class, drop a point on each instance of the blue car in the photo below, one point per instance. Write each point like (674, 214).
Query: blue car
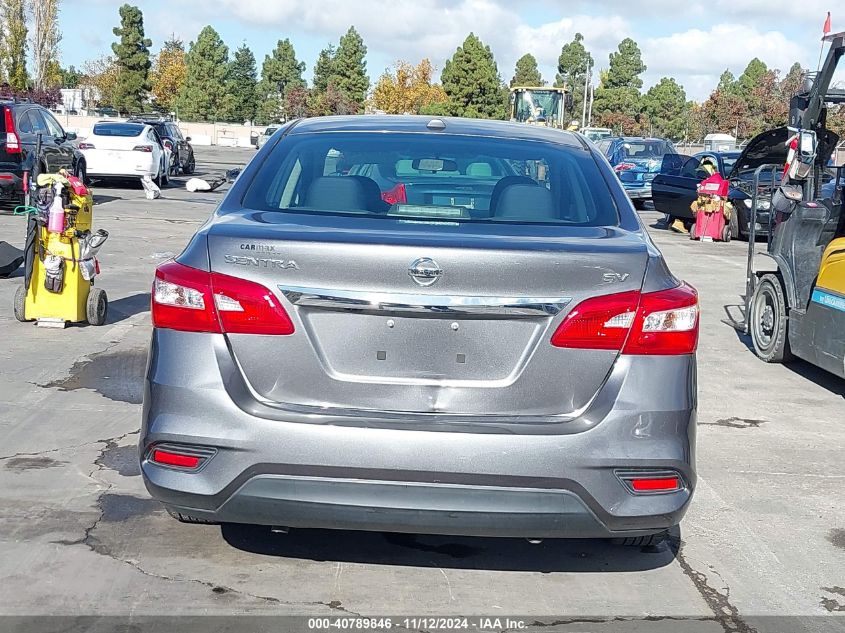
(636, 162)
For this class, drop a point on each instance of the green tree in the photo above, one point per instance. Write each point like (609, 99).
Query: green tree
(15, 43)
(280, 73)
(133, 61)
(471, 79)
(349, 68)
(665, 104)
(727, 83)
(408, 88)
(526, 72)
(241, 100)
(572, 67)
(324, 68)
(70, 77)
(626, 66)
(168, 74)
(45, 43)
(205, 86)
(750, 78)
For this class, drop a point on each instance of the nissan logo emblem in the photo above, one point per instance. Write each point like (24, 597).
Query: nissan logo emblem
(425, 271)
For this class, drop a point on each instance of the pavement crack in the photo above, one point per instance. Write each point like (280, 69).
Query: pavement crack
(726, 614)
(47, 451)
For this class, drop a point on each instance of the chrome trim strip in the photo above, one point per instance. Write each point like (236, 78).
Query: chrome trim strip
(365, 301)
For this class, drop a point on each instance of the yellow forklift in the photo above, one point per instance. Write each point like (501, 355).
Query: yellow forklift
(798, 309)
(540, 105)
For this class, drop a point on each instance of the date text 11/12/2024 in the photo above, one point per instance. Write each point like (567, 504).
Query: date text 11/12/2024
(430, 623)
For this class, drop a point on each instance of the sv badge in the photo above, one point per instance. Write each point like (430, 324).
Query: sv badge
(610, 278)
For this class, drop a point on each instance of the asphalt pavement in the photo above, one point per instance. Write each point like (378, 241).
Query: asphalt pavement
(761, 549)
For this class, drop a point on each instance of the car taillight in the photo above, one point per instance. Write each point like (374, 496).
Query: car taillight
(624, 167)
(143, 148)
(395, 195)
(193, 300)
(652, 323)
(13, 141)
(168, 145)
(86, 146)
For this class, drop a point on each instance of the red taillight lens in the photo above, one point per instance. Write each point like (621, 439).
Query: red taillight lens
(175, 459)
(143, 148)
(245, 307)
(13, 142)
(193, 300)
(651, 485)
(624, 167)
(598, 323)
(168, 145)
(396, 195)
(86, 146)
(653, 323)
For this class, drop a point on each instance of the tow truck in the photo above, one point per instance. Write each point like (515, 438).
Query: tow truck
(798, 309)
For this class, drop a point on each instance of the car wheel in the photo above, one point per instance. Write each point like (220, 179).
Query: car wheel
(20, 304)
(160, 176)
(97, 306)
(769, 321)
(190, 165)
(81, 173)
(639, 205)
(642, 541)
(733, 224)
(187, 518)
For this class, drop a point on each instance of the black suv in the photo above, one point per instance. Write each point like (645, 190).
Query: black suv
(21, 122)
(171, 136)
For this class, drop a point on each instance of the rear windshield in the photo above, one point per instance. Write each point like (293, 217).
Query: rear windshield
(117, 129)
(647, 149)
(433, 178)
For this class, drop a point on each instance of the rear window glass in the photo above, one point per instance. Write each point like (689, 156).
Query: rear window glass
(434, 178)
(117, 129)
(647, 149)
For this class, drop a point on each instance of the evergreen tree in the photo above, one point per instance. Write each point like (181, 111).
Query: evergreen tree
(572, 67)
(750, 78)
(207, 64)
(471, 79)
(665, 106)
(15, 43)
(349, 68)
(240, 102)
(133, 61)
(626, 66)
(618, 102)
(526, 72)
(70, 77)
(168, 74)
(727, 83)
(324, 68)
(280, 73)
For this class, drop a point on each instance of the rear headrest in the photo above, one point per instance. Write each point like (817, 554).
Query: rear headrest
(507, 181)
(526, 202)
(340, 193)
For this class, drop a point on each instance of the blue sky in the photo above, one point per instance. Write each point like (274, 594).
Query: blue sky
(691, 41)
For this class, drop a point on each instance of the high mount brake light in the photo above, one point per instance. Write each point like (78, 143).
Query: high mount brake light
(193, 300)
(652, 323)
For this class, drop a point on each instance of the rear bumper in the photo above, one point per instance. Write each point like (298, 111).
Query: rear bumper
(11, 185)
(479, 481)
(638, 191)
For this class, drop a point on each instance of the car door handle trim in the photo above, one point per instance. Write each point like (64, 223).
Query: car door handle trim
(366, 301)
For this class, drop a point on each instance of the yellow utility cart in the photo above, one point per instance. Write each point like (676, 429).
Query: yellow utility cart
(61, 265)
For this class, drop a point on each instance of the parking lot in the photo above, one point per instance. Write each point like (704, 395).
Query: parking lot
(761, 549)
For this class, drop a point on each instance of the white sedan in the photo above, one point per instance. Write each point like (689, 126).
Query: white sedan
(123, 150)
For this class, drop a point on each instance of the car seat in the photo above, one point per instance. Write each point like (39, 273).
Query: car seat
(505, 182)
(342, 193)
(530, 203)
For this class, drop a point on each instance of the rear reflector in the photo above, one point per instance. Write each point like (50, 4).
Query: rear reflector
(650, 485)
(652, 323)
(175, 459)
(193, 300)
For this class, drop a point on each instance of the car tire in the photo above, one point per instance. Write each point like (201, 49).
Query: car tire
(190, 165)
(769, 321)
(639, 205)
(160, 176)
(97, 306)
(81, 172)
(187, 518)
(20, 304)
(733, 224)
(641, 541)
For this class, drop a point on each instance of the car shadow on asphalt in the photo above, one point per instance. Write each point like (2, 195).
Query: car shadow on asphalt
(455, 552)
(125, 307)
